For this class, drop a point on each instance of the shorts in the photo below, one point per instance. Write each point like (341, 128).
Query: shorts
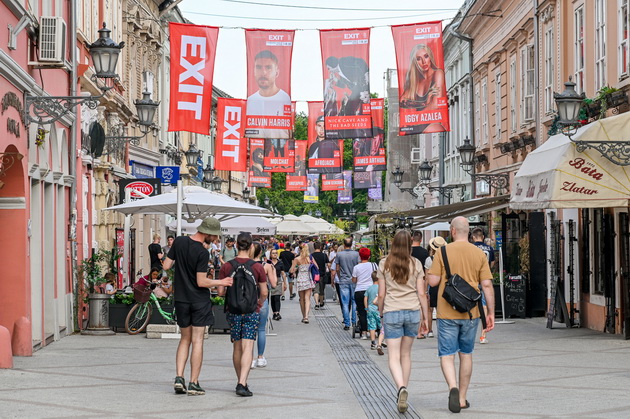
(290, 278)
(194, 314)
(483, 298)
(243, 326)
(401, 323)
(456, 336)
(320, 287)
(373, 320)
(433, 296)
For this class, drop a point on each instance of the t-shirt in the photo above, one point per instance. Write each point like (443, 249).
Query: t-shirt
(469, 262)
(257, 270)
(321, 259)
(420, 253)
(371, 293)
(346, 261)
(287, 259)
(228, 254)
(363, 273)
(401, 296)
(276, 105)
(154, 250)
(191, 258)
(487, 250)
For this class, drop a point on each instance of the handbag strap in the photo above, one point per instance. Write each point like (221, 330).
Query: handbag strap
(445, 259)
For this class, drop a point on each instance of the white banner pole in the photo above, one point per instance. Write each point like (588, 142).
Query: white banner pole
(180, 204)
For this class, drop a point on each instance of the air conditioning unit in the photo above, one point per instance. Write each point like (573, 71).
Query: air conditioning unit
(52, 40)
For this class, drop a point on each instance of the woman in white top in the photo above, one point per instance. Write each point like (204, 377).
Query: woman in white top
(362, 277)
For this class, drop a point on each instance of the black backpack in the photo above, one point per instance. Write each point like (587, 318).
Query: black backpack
(242, 296)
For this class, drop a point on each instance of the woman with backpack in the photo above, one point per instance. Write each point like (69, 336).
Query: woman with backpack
(302, 268)
(401, 295)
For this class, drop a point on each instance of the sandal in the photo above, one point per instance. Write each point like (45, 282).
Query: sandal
(306, 320)
(453, 400)
(467, 405)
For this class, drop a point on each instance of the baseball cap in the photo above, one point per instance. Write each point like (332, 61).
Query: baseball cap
(210, 226)
(436, 242)
(229, 239)
(320, 119)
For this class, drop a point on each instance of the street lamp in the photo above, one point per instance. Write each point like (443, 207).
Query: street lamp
(569, 103)
(208, 173)
(266, 201)
(398, 174)
(318, 213)
(424, 171)
(246, 193)
(216, 184)
(192, 155)
(467, 155)
(467, 159)
(146, 110)
(45, 110)
(352, 212)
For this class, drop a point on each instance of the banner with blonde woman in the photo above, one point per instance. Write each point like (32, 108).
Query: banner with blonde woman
(421, 81)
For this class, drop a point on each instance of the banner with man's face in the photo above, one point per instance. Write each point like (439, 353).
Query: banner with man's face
(421, 81)
(345, 58)
(296, 181)
(344, 196)
(257, 175)
(333, 182)
(231, 144)
(193, 49)
(369, 153)
(269, 83)
(324, 155)
(311, 194)
(279, 155)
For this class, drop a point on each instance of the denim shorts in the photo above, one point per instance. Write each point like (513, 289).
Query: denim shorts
(401, 323)
(456, 336)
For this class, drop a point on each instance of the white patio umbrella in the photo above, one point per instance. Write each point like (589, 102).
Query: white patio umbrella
(255, 225)
(322, 226)
(292, 225)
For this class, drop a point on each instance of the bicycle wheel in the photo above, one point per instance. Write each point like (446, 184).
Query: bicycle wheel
(138, 318)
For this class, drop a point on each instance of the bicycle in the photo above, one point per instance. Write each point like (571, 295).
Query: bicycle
(139, 315)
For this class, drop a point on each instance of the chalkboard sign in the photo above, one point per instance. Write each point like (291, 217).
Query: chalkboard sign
(515, 289)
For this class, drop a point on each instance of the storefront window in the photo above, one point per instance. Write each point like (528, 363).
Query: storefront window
(598, 251)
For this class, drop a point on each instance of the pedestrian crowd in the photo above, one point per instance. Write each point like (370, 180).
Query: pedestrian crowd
(392, 301)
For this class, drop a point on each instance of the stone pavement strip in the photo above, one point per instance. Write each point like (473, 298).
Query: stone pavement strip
(319, 371)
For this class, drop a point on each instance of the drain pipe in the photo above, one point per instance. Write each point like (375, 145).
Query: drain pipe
(536, 71)
(72, 167)
(453, 31)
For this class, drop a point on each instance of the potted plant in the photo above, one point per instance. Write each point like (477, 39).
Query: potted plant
(220, 316)
(119, 306)
(91, 270)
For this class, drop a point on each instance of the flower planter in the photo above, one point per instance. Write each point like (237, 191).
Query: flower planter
(220, 319)
(156, 317)
(117, 315)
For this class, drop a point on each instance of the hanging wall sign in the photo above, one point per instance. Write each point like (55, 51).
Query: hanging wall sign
(231, 144)
(324, 155)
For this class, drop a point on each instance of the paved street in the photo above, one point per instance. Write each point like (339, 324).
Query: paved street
(318, 370)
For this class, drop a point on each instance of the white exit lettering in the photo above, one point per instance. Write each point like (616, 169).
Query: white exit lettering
(192, 46)
(232, 123)
(276, 37)
(350, 36)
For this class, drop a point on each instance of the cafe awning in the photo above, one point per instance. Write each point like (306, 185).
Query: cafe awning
(445, 213)
(556, 175)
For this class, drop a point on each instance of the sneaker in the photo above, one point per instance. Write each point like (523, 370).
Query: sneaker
(364, 337)
(483, 339)
(282, 298)
(321, 305)
(373, 346)
(334, 298)
(430, 334)
(402, 399)
(254, 363)
(384, 345)
(195, 390)
(292, 297)
(346, 328)
(180, 385)
(243, 391)
(379, 349)
(316, 306)
(262, 362)
(279, 317)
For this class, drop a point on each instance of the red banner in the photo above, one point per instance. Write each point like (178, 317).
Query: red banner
(257, 175)
(269, 83)
(325, 155)
(345, 58)
(192, 53)
(231, 144)
(296, 181)
(279, 155)
(421, 81)
(369, 153)
(333, 182)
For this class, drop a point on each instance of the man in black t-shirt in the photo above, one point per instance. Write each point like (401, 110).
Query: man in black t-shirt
(155, 252)
(192, 299)
(323, 263)
(287, 257)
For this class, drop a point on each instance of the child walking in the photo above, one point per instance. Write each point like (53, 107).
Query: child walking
(373, 316)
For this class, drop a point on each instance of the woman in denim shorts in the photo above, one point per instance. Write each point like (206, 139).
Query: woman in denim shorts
(401, 295)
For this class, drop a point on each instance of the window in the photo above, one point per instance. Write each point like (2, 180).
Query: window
(497, 106)
(527, 83)
(579, 49)
(600, 44)
(549, 74)
(623, 38)
(484, 110)
(477, 116)
(513, 121)
(147, 82)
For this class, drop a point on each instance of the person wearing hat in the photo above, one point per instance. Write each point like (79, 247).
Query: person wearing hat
(192, 299)
(434, 245)
(229, 252)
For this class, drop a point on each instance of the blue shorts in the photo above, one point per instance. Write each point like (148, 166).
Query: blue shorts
(243, 326)
(401, 323)
(373, 320)
(456, 336)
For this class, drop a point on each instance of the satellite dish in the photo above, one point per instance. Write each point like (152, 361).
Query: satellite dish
(97, 139)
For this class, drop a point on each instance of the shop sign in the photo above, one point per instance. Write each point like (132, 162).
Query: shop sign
(149, 187)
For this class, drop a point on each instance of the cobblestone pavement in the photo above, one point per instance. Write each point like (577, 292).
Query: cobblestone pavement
(317, 370)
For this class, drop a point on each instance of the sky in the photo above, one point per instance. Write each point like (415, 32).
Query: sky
(306, 17)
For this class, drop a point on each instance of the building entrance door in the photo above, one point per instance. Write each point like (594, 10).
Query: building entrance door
(624, 275)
